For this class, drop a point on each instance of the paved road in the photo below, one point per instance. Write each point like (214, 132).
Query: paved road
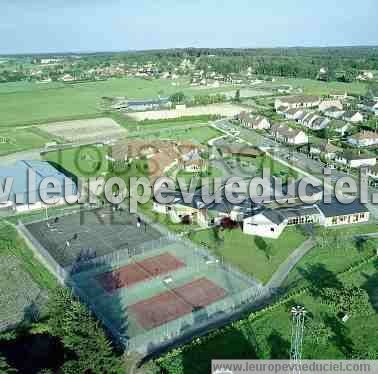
(287, 266)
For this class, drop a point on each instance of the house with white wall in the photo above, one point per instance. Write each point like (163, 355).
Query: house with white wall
(326, 104)
(299, 101)
(353, 117)
(288, 135)
(355, 161)
(364, 139)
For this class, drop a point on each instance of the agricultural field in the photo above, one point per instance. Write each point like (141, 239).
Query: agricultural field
(266, 335)
(88, 130)
(255, 256)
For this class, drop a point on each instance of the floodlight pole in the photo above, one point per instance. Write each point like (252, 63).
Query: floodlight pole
(297, 331)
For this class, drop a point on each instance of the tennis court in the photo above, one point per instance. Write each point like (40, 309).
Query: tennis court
(173, 304)
(139, 271)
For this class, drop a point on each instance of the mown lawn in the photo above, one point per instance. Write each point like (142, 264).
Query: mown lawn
(83, 161)
(336, 251)
(253, 255)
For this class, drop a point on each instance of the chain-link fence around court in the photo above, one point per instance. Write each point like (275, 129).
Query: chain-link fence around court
(115, 309)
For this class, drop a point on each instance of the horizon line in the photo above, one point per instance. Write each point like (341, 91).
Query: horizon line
(91, 52)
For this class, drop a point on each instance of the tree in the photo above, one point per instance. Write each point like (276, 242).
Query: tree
(80, 333)
(237, 96)
(5, 368)
(177, 98)
(352, 301)
(319, 331)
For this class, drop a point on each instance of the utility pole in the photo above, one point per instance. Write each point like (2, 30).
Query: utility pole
(297, 331)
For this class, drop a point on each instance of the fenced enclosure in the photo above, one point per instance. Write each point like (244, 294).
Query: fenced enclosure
(148, 293)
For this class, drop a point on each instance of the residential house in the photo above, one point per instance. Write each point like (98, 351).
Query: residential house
(188, 209)
(314, 122)
(373, 174)
(370, 106)
(294, 114)
(353, 117)
(192, 162)
(326, 104)
(253, 121)
(355, 161)
(288, 135)
(326, 150)
(339, 127)
(339, 96)
(334, 112)
(365, 76)
(364, 139)
(300, 101)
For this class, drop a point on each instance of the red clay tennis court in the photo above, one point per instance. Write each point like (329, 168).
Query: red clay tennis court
(139, 271)
(175, 303)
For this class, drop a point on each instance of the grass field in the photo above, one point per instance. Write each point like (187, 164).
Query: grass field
(21, 139)
(30, 103)
(253, 255)
(132, 125)
(268, 334)
(196, 135)
(84, 161)
(334, 254)
(11, 244)
(276, 168)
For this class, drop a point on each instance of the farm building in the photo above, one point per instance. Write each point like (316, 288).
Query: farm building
(30, 188)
